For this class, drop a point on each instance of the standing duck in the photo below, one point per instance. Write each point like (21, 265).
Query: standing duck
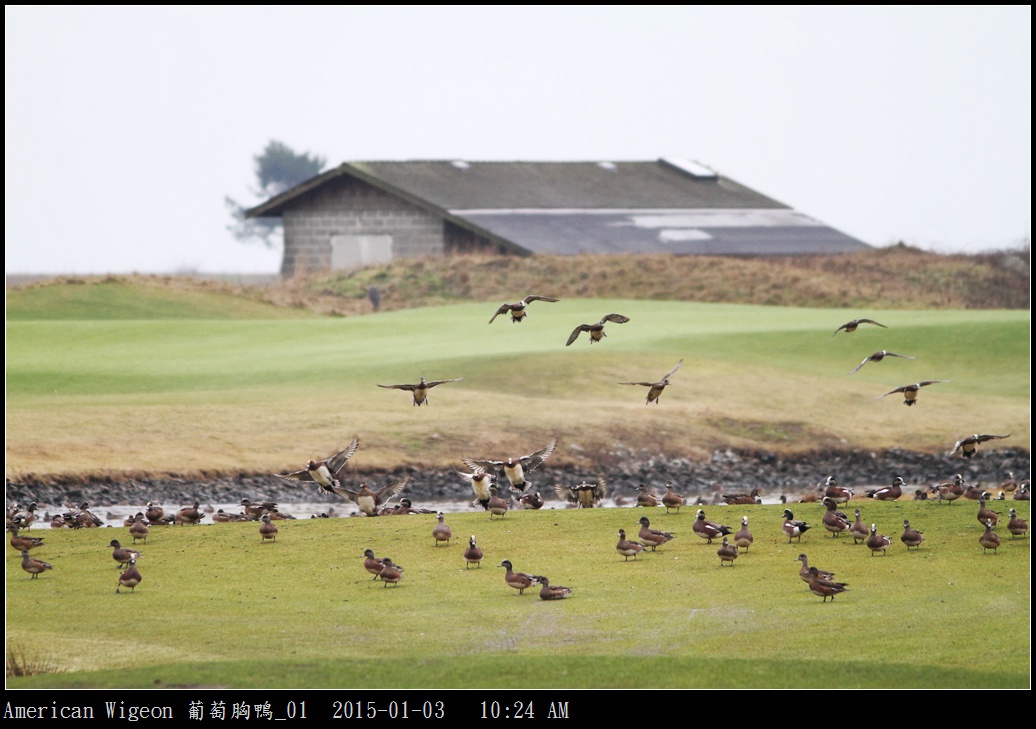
(531, 500)
(727, 552)
(910, 391)
(988, 539)
(441, 532)
(1018, 526)
(34, 566)
(793, 527)
(708, 530)
(517, 309)
(652, 537)
(824, 587)
(627, 547)
(189, 514)
(888, 493)
(911, 537)
(497, 505)
(834, 521)
(804, 571)
(518, 580)
(267, 530)
(743, 539)
(473, 554)
(420, 389)
(877, 542)
(154, 513)
(655, 388)
(372, 564)
(950, 491)
(985, 514)
(129, 578)
(839, 494)
(671, 499)
(122, 555)
(391, 573)
(138, 529)
(553, 592)
(21, 543)
(646, 497)
(859, 530)
(596, 330)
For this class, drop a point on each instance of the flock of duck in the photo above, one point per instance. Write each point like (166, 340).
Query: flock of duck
(486, 476)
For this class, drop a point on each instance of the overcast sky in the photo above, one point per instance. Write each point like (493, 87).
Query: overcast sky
(127, 126)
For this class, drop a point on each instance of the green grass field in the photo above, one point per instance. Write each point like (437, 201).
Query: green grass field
(232, 387)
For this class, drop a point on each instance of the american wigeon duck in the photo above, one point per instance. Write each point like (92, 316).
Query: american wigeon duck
(441, 532)
(708, 530)
(804, 570)
(1018, 526)
(122, 555)
(58, 521)
(34, 566)
(225, 517)
(646, 497)
(553, 592)
(877, 357)
(655, 388)
(652, 537)
(975, 493)
(877, 542)
(21, 542)
(531, 501)
(1022, 493)
(834, 521)
(519, 580)
(950, 491)
(742, 498)
(967, 446)
(514, 469)
(473, 554)
(391, 573)
(727, 552)
(671, 499)
(988, 539)
(986, 514)
(823, 587)
(627, 547)
(420, 389)
(911, 537)
(910, 391)
(497, 505)
(406, 507)
(189, 515)
(888, 493)
(596, 330)
(793, 527)
(517, 309)
(480, 482)
(583, 495)
(920, 495)
(324, 473)
(839, 494)
(85, 519)
(256, 511)
(859, 530)
(1009, 484)
(153, 513)
(129, 578)
(23, 519)
(743, 539)
(267, 529)
(278, 515)
(372, 564)
(852, 326)
(370, 500)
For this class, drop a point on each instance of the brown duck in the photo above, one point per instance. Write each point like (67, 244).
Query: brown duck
(910, 391)
(420, 389)
(517, 309)
(655, 388)
(596, 330)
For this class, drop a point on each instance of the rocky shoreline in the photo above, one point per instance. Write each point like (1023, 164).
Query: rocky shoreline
(727, 470)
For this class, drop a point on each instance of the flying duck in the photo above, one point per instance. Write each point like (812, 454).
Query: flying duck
(727, 552)
(517, 310)
(910, 391)
(851, 326)
(480, 482)
(473, 554)
(911, 537)
(441, 532)
(518, 580)
(553, 592)
(420, 390)
(793, 527)
(324, 473)
(583, 495)
(369, 500)
(655, 388)
(596, 330)
(514, 469)
(627, 547)
(743, 539)
(877, 357)
(708, 530)
(824, 587)
(652, 537)
(129, 578)
(877, 542)
(968, 446)
(888, 493)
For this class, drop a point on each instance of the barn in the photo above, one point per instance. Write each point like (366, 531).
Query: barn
(364, 213)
